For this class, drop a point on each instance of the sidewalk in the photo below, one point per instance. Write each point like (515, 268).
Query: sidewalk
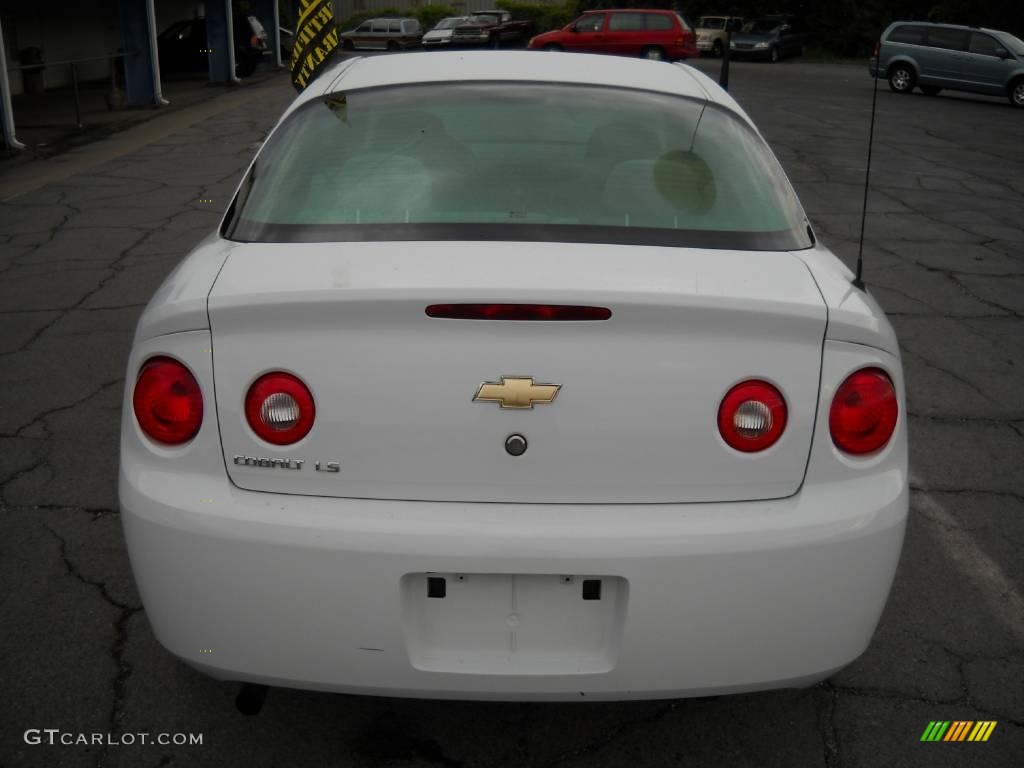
(45, 122)
(24, 172)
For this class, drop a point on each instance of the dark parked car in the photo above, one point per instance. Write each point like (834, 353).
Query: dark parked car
(652, 34)
(493, 28)
(183, 46)
(770, 38)
(936, 56)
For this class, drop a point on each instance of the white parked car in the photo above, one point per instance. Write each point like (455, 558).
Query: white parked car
(441, 35)
(514, 375)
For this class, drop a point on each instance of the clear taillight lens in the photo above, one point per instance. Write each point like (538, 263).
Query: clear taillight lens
(167, 401)
(752, 416)
(864, 411)
(279, 408)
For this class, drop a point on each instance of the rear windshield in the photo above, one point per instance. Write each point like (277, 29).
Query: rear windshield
(761, 26)
(1014, 44)
(449, 23)
(514, 161)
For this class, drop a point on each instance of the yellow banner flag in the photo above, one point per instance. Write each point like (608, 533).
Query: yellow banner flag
(316, 38)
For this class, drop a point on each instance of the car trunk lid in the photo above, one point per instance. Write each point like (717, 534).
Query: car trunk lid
(634, 420)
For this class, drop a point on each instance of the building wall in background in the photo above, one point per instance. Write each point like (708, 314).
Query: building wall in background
(81, 30)
(170, 11)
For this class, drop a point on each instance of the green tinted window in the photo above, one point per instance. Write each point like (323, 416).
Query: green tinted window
(519, 158)
(626, 22)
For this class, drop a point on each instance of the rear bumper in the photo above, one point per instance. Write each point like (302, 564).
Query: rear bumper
(751, 53)
(307, 592)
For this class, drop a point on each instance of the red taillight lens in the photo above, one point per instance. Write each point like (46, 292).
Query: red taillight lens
(167, 401)
(279, 408)
(256, 42)
(878, 47)
(517, 312)
(864, 412)
(752, 416)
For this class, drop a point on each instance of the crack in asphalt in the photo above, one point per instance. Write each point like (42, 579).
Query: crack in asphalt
(613, 735)
(827, 724)
(987, 302)
(41, 417)
(1007, 421)
(44, 462)
(952, 374)
(964, 491)
(117, 649)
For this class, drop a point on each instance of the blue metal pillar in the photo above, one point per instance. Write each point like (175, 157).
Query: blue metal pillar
(267, 12)
(221, 41)
(141, 63)
(6, 113)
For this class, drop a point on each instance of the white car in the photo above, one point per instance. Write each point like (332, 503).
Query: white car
(514, 375)
(441, 34)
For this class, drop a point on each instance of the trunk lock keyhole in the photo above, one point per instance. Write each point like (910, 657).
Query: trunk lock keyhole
(515, 445)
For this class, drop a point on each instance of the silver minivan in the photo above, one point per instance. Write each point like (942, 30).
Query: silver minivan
(935, 56)
(384, 34)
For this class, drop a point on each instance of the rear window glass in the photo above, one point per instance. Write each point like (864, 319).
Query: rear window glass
(514, 161)
(711, 23)
(908, 34)
(761, 26)
(1014, 44)
(953, 39)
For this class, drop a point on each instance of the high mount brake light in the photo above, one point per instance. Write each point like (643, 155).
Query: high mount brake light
(536, 312)
(864, 411)
(279, 408)
(167, 401)
(752, 416)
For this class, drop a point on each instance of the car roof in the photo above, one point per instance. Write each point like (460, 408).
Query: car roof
(631, 10)
(944, 26)
(518, 66)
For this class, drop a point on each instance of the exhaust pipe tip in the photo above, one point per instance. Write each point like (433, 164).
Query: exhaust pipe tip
(250, 698)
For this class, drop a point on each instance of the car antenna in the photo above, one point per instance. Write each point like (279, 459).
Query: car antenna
(858, 280)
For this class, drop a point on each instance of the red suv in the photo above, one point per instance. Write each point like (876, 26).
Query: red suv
(660, 35)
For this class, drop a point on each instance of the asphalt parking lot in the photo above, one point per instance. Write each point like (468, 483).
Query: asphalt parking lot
(86, 242)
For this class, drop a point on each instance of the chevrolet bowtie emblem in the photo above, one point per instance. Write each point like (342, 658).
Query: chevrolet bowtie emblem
(516, 392)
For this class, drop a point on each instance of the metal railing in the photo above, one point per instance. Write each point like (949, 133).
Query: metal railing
(113, 95)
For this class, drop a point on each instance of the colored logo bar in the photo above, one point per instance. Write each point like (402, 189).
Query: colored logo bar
(958, 730)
